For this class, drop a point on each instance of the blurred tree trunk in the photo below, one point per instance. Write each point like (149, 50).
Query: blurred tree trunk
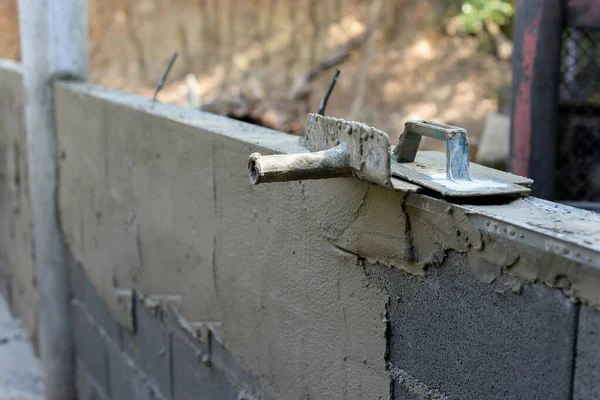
(135, 39)
(391, 20)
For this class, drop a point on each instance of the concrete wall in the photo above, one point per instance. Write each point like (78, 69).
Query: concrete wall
(165, 208)
(190, 283)
(17, 271)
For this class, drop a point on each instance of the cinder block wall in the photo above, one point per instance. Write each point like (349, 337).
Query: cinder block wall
(187, 282)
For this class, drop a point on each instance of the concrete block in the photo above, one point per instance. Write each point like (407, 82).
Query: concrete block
(97, 308)
(198, 334)
(587, 364)
(77, 281)
(16, 228)
(86, 386)
(195, 347)
(90, 347)
(86, 293)
(456, 336)
(494, 143)
(127, 381)
(401, 392)
(120, 374)
(247, 383)
(195, 379)
(149, 348)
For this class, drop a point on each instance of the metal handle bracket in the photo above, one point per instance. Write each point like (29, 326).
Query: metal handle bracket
(457, 146)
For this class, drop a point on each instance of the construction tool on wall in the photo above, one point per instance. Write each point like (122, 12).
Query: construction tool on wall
(340, 148)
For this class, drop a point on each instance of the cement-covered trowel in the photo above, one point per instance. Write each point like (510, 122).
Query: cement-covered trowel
(340, 148)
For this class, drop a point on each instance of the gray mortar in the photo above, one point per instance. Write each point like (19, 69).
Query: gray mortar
(533, 241)
(567, 232)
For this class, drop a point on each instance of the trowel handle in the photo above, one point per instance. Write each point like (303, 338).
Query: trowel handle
(457, 146)
(331, 163)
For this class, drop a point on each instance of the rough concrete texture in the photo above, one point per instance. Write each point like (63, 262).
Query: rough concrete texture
(105, 367)
(20, 371)
(162, 360)
(194, 380)
(525, 241)
(165, 207)
(162, 203)
(456, 338)
(587, 367)
(17, 270)
(120, 179)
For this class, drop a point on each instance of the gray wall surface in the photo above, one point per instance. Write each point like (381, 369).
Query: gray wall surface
(17, 271)
(468, 341)
(190, 283)
(166, 208)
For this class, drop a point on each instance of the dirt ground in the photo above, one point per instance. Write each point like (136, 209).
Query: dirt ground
(415, 69)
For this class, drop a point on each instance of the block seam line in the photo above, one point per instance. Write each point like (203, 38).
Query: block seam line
(116, 346)
(578, 309)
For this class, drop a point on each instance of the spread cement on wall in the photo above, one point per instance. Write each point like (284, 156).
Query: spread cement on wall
(150, 203)
(162, 204)
(156, 198)
(17, 270)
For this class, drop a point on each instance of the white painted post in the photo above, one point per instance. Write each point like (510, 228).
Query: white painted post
(69, 43)
(54, 43)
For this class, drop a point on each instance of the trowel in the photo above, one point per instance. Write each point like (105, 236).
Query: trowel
(340, 148)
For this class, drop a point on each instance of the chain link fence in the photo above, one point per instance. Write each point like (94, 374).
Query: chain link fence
(578, 158)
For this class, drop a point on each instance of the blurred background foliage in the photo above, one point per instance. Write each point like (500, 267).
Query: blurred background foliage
(269, 61)
(476, 13)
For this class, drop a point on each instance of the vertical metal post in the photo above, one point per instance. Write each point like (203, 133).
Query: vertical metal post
(54, 43)
(536, 78)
